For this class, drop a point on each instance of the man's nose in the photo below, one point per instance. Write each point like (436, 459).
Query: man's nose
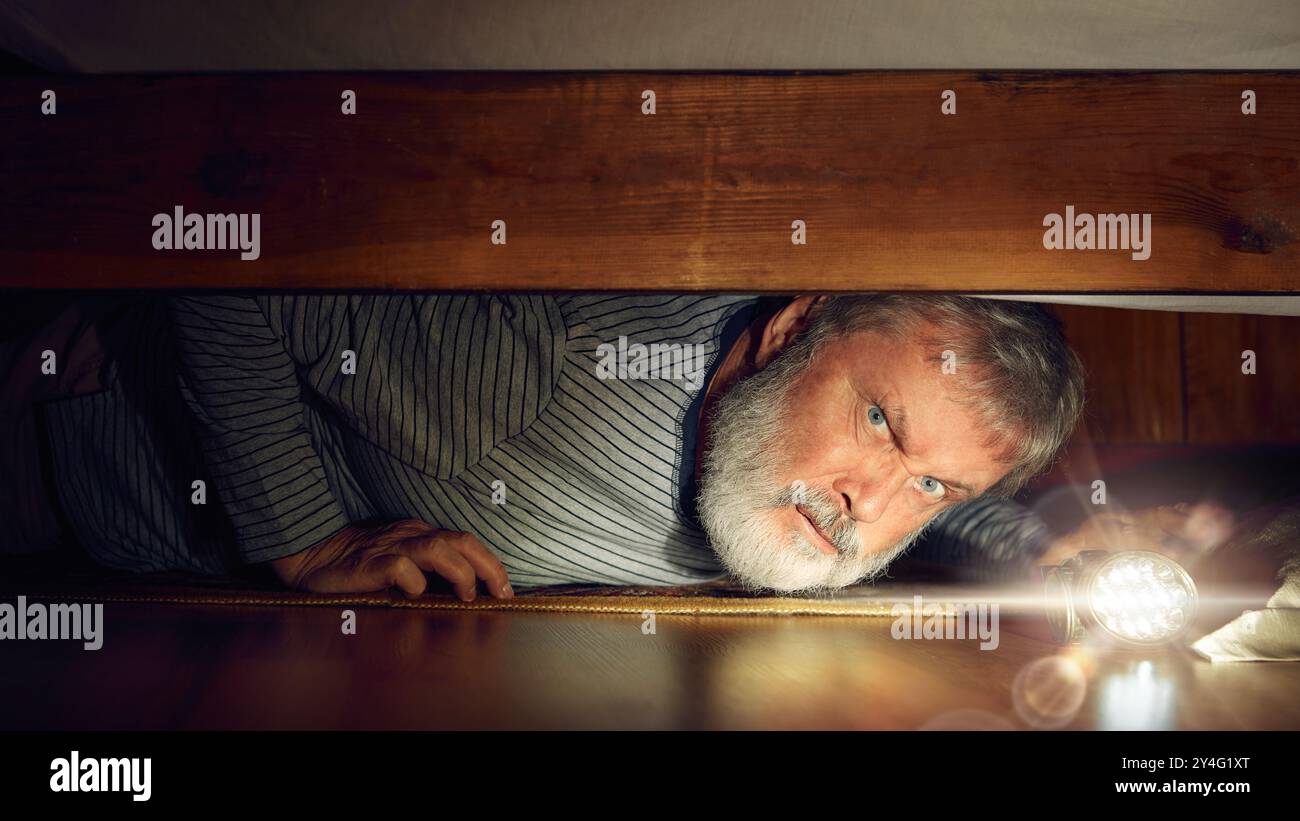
(868, 491)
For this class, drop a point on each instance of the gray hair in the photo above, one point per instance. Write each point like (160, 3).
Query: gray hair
(1017, 371)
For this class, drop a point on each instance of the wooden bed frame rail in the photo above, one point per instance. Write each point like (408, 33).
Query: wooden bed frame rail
(780, 182)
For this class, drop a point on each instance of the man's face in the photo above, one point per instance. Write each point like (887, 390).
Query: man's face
(820, 476)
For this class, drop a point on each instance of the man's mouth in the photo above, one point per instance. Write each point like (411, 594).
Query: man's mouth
(815, 534)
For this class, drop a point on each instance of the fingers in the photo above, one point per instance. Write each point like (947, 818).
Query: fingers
(401, 530)
(1198, 527)
(1161, 543)
(1108, 531)
(373, 574)
(460, 559)
(1171, 518)
(454, 568)
(1143, 530)
(398, 554)
(1179, 531)
(1209, 525)
(486, 565)
(1112, 532)
(399, 571)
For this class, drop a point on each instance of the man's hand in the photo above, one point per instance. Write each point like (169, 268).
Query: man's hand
(366, 560)
(1180, 531)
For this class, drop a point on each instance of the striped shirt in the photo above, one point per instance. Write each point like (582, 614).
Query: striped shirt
(301, 414)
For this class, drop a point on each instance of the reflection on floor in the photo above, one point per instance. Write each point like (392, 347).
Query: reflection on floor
(225, 666)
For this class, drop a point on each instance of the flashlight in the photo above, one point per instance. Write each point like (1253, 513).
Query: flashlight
(1135, 598)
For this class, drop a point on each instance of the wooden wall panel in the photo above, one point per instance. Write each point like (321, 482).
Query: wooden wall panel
(699, 196)
(1134, 365)
(1226, 406)
(1158, 377)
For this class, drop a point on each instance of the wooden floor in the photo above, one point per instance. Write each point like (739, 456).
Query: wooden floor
(215, 667)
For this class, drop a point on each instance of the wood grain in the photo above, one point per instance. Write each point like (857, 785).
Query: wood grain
(1134, 366)
(1226, 405)
(700, 196)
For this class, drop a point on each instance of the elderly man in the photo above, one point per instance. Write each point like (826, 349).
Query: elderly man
(361, 442)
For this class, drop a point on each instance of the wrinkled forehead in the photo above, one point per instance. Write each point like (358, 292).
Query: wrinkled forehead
(925, 390)
(916, 349)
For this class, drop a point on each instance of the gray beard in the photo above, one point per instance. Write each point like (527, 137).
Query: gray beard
(738, 495)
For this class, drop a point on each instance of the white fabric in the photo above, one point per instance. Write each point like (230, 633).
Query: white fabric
(341, 35)
(1273, 632)
(1282, 305)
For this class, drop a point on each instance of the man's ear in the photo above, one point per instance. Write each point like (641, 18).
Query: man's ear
(785, 325)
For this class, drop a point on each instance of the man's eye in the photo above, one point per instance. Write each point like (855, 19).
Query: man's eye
(877, 417)
(932, 487)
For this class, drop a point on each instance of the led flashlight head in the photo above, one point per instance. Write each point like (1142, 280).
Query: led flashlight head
(1135, 598)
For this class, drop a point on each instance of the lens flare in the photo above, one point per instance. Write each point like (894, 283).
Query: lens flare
(1048, 692)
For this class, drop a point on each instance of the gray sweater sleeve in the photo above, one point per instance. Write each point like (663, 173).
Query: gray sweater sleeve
(987, 539)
